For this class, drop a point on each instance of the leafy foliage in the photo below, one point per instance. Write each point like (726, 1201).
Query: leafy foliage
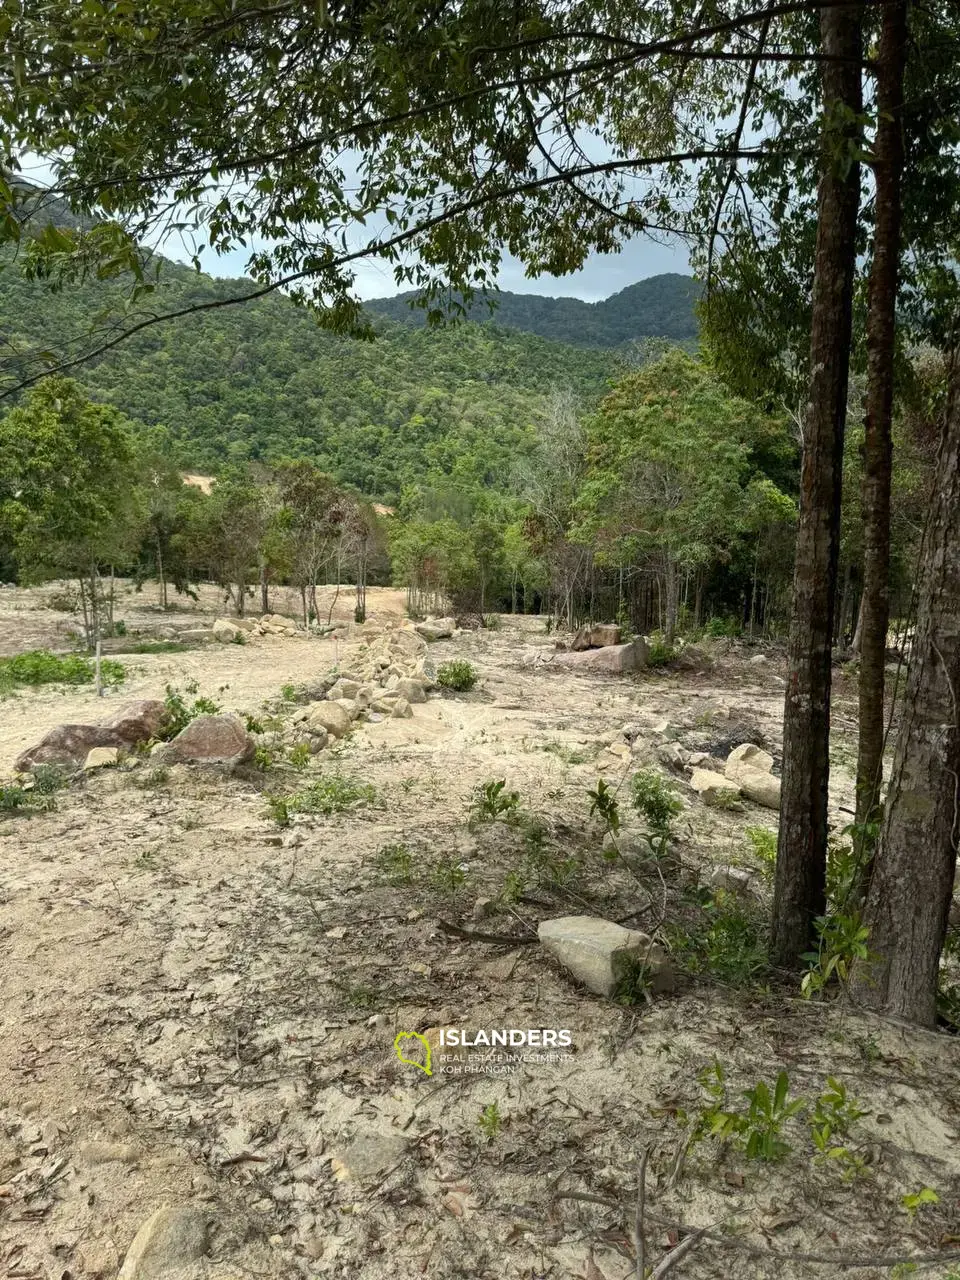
(460, 676)
(39, 666)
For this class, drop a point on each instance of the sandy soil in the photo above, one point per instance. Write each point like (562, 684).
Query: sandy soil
(199, 1008)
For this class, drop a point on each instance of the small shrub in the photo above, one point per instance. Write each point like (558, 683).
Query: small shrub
(719, 628)
(299, 756)
(158, 777)
(278, 810)
(447, 875)
(916, 1200)
(288, 692)
(842, 940)
(458, 675)
(178, 712)
(490, 1121)
(633, 985)
(605, 806)
(491, 801)
(659, 653)
(491, 621)
(655, 798)
(253, 724)
(12, 797)
(757, 1130)
(395, 863)
(239, 638)
(262, 758)
(48, 779)
(728, 940)
(764, 845)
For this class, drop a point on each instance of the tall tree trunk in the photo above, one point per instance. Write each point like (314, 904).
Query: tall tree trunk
(908, 902)
(799, 888)
(163, 581)
(264, 589)
(241, 598)
(878, 442)
(673, 599)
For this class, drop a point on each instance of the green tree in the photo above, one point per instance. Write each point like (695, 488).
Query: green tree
(669, 472)
(69, 496)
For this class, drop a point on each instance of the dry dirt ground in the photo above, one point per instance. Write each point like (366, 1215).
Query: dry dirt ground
(198, 1008)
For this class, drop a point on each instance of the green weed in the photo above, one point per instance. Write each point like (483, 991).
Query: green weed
(490, 1121)
(395, 863)
(492, 801)
(39, 666)
(656, 799)
(459, 676)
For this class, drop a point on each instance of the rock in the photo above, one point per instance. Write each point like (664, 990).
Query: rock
(697, 758)
(195, 635)
(758, 660)
(436, 628)
(402, 709)
(349, 707)
(761, 788)
(95, 1153)
(749, 767)
(599, 953)
(173, 1238)
(219, 739)
(67, 745)
(369, 1157)
(412, 690)
(225, 631)
(673, 755)
(328, 716)
(97, 1258)
(733, 879)
(70, 744)
(137, 721)
(596, 636)
(279, 620)
(710, 785)
(408, 642)
(617, 659)
(619, 749)
(344, 688)
(101, 757)
(747, 755)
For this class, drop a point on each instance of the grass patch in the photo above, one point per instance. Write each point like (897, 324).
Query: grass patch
(40, 666)
(326, 796)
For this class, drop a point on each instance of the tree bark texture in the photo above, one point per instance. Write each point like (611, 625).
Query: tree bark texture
(913, 872)
(878, 440)
(799, 893)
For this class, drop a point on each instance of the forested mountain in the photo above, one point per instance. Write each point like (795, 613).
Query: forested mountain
(660, 307)
(259, 381)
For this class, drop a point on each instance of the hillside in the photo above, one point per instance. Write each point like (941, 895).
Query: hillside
(261, 380)
(659, 307)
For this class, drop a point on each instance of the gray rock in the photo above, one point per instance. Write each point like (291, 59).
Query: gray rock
(747, 755)
(709, 784)
(344, 688)
(615, 660)
(402, 709)
(328, 716)
(600, 954)
(172, 1238)
(412, 690)
(733, 879)
(369, 1157)
(436, 629)
(224, 631)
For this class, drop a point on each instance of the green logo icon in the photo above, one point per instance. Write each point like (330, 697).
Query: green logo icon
(402, 1044)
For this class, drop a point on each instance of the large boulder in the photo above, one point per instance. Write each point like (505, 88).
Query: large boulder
(407, 643)
(749, 767)
(226, 632)
(137, 721)
(70, 744)
(601, 954)
(614, 660)
(598, 635)
(219, 739)
(436, 628)
(713, 787)
(328, 716)
(412, 690)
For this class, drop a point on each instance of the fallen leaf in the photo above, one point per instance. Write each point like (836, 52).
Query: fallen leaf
(454, 1204)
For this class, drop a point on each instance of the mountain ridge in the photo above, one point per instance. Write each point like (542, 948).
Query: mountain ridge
(660, 306)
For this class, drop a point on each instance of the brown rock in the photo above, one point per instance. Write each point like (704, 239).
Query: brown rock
(211, 740)
(599, 635)
(70, 744)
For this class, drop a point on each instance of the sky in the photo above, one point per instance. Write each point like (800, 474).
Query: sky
(603, 274)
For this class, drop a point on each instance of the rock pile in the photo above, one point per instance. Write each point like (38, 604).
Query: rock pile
(69, 745)
(385, 674)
